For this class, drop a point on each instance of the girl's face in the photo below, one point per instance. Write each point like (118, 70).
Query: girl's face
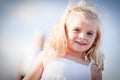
(81, 33)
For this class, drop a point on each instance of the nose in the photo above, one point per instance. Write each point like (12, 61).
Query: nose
(82, 35)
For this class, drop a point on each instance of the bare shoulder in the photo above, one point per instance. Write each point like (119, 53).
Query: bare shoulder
(96, 75)
(45, 58)
(36, 70)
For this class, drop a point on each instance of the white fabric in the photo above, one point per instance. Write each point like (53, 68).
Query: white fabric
(64, 69)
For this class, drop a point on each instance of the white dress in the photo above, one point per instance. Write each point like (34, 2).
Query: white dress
(65, 69)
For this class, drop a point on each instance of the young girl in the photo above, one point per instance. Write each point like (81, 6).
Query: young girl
(71, 52)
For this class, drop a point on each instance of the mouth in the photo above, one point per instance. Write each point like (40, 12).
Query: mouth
(81, 43)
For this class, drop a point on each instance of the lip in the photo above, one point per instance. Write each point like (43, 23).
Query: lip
(80, 43)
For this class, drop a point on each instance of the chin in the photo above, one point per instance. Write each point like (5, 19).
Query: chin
(80, 50)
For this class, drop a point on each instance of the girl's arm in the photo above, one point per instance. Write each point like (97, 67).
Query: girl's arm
(96, 75)
(35, 72)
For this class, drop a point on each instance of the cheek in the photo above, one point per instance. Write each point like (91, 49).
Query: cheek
(72, 38)
(91, 41)
(70, 35)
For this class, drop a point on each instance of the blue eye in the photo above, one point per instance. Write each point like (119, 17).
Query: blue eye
(89, 33)
(77, 30)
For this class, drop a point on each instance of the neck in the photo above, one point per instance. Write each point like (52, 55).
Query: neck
(73, 53)
(75, 56)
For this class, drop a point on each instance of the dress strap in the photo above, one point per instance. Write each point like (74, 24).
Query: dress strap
(91, 62)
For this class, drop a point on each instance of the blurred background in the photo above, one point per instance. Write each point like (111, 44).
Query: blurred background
(26, 24)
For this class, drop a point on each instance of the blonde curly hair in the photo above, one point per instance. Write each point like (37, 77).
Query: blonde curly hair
(57, 41)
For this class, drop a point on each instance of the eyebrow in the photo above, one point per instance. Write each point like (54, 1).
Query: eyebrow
(92, 31)
(88, 30)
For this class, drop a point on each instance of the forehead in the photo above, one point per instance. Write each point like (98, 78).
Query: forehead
(80, 20)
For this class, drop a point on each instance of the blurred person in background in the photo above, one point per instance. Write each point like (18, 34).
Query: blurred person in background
(28, 58)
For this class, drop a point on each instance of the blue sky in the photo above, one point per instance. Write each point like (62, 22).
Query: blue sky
(20, 19)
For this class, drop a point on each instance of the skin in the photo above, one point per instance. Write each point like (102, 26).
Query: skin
(81, 35)
(39, 64)
(36, 70)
